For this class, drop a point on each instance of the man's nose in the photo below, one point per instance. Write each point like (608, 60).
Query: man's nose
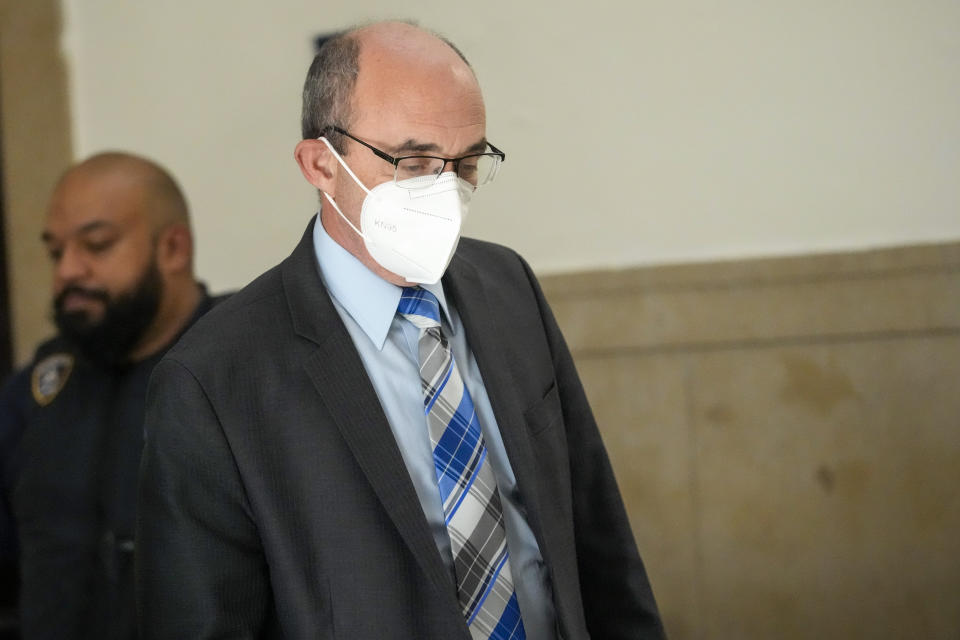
(71, 267)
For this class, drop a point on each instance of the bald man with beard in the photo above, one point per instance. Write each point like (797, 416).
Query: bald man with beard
(71, 423)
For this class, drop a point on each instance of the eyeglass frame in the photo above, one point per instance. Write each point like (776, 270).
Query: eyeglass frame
(383, 155)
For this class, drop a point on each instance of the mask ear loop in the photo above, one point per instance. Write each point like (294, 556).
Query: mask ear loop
(342, 163)
(355, 179)
(362, 186)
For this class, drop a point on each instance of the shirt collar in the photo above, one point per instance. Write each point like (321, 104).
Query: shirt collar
(366, 297)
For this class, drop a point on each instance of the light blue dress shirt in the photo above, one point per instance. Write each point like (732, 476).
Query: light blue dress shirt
(388, 347)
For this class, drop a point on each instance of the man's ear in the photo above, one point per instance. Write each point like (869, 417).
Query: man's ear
(318, 165)
(175, 249)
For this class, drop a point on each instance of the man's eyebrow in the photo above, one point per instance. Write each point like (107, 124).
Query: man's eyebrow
(94, 225)
(479, 147)
(413, 146)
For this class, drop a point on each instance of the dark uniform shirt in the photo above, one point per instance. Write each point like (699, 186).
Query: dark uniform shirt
(71, 434)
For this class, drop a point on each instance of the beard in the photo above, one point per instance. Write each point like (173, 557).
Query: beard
(125, 319)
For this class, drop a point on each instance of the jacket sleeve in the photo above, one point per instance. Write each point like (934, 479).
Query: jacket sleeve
(200, 569)
(617, 599)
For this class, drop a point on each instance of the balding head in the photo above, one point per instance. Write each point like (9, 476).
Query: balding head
(162, 200)
(402, 65)
(328, 91)
(118, 234)
(407, 40)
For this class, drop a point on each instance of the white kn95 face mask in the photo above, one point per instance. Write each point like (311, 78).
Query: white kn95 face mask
(411, 232)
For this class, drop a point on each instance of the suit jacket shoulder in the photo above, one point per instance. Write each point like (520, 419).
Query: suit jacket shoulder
(266, 443)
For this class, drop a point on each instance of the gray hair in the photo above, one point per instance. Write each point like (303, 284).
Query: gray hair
(329, 87)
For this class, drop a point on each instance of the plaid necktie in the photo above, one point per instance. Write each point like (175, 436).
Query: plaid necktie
(471, 502)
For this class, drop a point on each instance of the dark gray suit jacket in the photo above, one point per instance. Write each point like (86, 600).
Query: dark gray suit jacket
(274, 501)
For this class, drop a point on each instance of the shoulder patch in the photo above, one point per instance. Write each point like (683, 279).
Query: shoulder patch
(49, 376)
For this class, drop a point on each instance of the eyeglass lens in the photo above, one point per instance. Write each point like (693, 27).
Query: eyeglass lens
(423, 171)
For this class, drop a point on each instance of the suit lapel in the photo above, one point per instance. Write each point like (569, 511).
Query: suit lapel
(338, 375)
(485, 333)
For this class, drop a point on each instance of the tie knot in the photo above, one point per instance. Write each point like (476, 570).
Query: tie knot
(420, 307)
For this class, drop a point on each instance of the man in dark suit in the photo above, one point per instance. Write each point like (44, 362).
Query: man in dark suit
(352, 447)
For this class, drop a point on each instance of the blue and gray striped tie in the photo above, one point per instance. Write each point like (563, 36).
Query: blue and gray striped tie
(471, 502)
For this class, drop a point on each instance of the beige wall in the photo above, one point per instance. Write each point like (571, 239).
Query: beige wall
(688, 131)
(636, 132)
(786, 434)
(785, 431)
(36, 135)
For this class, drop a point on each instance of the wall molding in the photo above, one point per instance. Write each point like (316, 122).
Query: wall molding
(880, 293)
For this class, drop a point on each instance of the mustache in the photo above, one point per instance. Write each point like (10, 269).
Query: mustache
(93, 294)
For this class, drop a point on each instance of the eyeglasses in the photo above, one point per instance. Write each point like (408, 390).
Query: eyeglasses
(419, 172)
